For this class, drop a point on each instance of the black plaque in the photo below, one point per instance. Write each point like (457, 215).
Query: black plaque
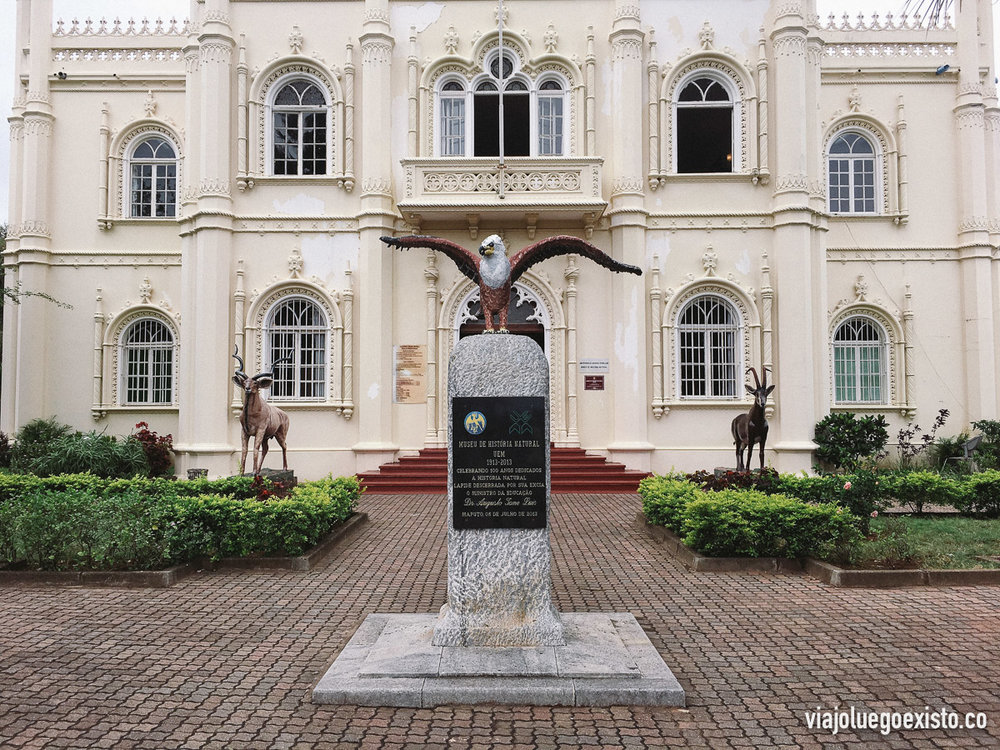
(498, 449)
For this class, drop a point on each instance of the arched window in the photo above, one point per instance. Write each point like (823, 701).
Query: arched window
(300, 121)
(704, 125)
(708, 348)
(452, 103)
(147, 354)
(297, 328)
(852, 174)
(551, 104)
(534, 113)
(859, 362)
(152, 174)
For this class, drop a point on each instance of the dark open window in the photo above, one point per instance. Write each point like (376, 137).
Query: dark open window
(516, 120)
(704, 127)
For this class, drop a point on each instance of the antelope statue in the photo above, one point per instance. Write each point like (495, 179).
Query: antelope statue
(751, 427)
(258, 418)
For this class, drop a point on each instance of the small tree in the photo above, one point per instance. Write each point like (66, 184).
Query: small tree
(844, 439)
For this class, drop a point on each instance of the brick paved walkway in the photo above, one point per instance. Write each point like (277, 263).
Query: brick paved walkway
(228, 660)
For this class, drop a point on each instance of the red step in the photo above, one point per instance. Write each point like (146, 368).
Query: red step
(572, 470)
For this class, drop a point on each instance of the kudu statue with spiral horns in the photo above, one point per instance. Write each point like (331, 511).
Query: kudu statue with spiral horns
(258, 418)
(751, 427)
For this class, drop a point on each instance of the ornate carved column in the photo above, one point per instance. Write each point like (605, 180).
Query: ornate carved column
(207, 436)
(797, 260)
(97, 400)
(762, 111)
(377, 217)
(412, 73)
(902, 172)
(656, 336)
(975, 250)
(571, 274)
(909, 389)
(32, 231)
(628, 378)
(431, 275)
(591, 76)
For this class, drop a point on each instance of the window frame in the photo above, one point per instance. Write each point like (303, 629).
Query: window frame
(124, 347)
(736, 116)
(877, 171)
(271, 109)
(130, 162)
(735, 329)
(883, 347)
(471, 84)
(268, 349)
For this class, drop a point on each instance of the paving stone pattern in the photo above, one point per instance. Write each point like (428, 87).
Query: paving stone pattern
(228, 659)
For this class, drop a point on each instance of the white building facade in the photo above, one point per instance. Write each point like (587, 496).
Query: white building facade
(817, 197)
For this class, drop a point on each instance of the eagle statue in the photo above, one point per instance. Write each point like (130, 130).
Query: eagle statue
(495, 272)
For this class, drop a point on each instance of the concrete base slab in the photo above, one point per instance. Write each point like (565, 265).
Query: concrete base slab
(607, 660)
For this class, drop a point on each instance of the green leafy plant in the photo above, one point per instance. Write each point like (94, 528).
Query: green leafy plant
(748, 523)
(913, 441)
(102, 455)
(158, 450)
(763, 480)
(890, 546)
(982, 494)
(915, 489)
(988, 453)
(944, 448)
(843, 439)
(862, 492)
(665, 499)
(34, 439)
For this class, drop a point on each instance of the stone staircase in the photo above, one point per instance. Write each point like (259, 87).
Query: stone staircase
(573, 470)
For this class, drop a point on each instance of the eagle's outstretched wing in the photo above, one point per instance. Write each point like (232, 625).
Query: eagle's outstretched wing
(564, 245)
(468, 263)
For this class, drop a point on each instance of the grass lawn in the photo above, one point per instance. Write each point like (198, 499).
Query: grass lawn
(939, 542)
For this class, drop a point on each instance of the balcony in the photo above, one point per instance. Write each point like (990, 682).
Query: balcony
(555, 192)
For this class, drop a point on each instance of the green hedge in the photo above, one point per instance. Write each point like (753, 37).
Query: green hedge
(83, 522)
(982, 494)
(665, 499)
(747, 523)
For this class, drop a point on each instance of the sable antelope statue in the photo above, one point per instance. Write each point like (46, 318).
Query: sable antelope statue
(258, 418)
(751, 427)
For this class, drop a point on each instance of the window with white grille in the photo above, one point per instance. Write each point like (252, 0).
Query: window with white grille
(852, 175)
(153, 179)
(550, 118)
(708, 354)
(300, 119)
(298, 330)
(859, 360)
(147, 354)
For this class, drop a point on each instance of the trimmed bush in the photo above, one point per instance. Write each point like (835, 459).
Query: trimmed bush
(982, 494)
(85, 522)
(917, 488)
(844, 439)
(747, 523)
(862, 492)
(665, 499)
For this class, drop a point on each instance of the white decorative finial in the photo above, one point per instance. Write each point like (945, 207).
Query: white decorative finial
(295, 40)
(861, 289)
(710, 260)
(145, 290)
(706, 36)
(149, 104)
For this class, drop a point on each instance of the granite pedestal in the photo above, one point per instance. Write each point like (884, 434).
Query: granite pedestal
(499, 638)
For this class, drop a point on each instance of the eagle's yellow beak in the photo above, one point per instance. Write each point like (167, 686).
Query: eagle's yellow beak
(488, 250)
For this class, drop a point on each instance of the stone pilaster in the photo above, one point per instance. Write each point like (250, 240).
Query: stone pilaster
(205, 364)
(628, 380)
(375, 271)
(975, 250)
(32, 124)
(797, 262)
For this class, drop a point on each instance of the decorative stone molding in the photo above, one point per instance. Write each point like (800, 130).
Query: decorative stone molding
(295, 40)
(216, 53)
(107, 357)
(924, 21)
(706, 36)
(112, 55)
(376, 52)
(740, 83)
(131, 28)
(534, 289)
(790, 45)
(339, 313)
(37, 125)
(891, 324)
(892, 50)
(451, 41)
(551, 38)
